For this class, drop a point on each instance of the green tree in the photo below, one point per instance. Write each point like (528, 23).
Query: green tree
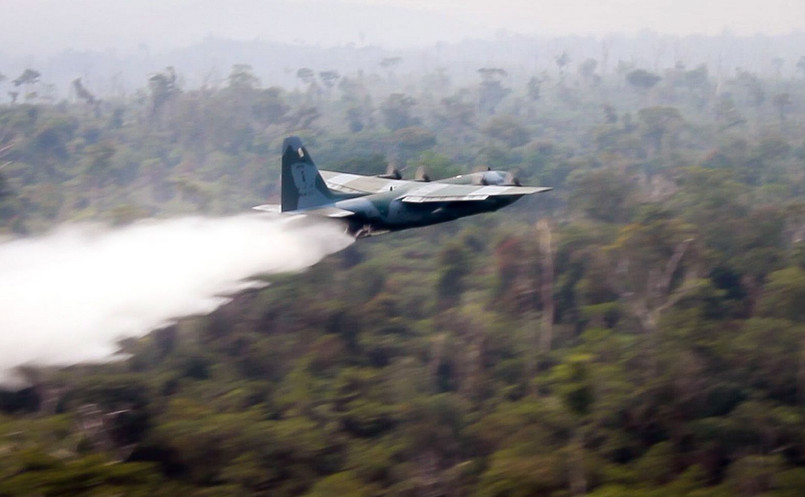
(242, 77)
(783, 295)
(660, 123)
(306, 75)
(457, 113)
(82, 93)
(534, 88)
(396, 111)
(329, 78)
(587, 72)
(508, 129)
(412, 141)
(455, 262)
(642, 80)
(782, 102)
(491, 91)
(163, 87)
(603, 195)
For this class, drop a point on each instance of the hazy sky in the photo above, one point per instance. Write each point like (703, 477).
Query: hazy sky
(51, 26)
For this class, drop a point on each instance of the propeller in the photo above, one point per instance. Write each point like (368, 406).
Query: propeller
(479, 175)
(391, 173)
(422, 175)
(498, 178)
(511, 180)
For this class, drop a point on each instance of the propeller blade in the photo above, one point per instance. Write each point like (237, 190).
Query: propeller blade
(511, 180)
(391, 173)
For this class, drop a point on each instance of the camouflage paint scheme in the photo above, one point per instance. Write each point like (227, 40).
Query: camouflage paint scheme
(371, 205)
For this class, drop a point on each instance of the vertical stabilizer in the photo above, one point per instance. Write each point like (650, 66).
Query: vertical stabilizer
(302, 185)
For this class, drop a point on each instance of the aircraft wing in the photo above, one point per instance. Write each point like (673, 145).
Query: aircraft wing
(445, 192)
(356, 183)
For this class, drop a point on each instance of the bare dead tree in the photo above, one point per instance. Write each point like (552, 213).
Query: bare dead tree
(649, 303)
(97, 425)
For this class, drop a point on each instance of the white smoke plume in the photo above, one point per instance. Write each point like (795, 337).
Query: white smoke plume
(69, 296)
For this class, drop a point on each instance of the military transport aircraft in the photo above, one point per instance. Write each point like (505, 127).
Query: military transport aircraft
(371, 205)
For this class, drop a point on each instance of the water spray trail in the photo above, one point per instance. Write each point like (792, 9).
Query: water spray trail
(69, 296)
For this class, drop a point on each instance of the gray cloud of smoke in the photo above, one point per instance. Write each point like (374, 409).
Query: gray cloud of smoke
(69, 296)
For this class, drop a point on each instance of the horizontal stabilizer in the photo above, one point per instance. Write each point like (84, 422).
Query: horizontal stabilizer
(327, 212)
(276, 208)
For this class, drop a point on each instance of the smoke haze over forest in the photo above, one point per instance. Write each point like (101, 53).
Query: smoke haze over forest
(49, 26)
(111, 45)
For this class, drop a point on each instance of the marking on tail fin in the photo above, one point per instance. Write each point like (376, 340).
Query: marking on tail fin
(305, 183)
(302, 186)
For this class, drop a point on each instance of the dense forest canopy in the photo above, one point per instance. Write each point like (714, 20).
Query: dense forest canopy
(637, 331)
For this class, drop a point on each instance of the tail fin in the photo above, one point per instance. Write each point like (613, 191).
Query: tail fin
(302, 185)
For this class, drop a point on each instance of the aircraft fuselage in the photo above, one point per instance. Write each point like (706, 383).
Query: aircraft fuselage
(381, 212)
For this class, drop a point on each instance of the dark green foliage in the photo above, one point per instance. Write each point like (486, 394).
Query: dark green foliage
(507, 129)
(602, 195)
(412, 141)
(456, 264)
